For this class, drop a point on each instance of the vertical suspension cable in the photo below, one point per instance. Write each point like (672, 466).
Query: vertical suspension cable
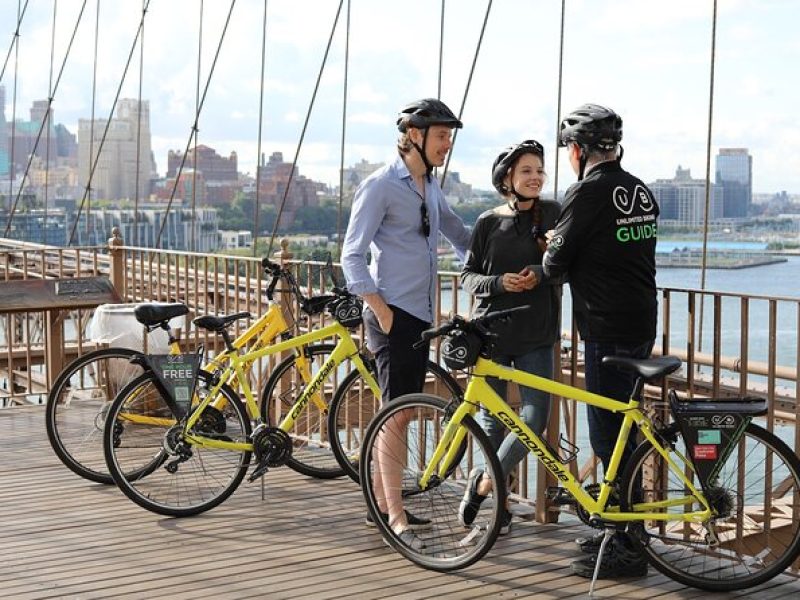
(192, 241)
(441, 53)
(466, 89)
(192, 134)
(88, 193)
(344, 131)
(49, 99)
(558, 101)
(708, 170)
(303, 132)
(256, 208)
(138, 141)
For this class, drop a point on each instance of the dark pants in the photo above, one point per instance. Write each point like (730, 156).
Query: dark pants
(401, 368)
(613, 383)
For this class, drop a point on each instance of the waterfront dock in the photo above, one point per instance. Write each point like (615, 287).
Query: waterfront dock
(692, 258)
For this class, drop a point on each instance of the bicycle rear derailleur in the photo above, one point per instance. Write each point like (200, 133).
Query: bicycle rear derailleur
(272, 447)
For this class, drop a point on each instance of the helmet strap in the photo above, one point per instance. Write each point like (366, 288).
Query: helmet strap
(426, 162)
(582, 164)
(621, 152)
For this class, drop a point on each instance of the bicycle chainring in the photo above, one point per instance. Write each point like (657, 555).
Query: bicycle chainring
(272, 446)
(593, 489)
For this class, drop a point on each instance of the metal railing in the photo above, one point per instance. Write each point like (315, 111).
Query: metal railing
(731, 344)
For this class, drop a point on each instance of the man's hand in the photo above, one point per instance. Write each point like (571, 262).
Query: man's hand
(381, 311)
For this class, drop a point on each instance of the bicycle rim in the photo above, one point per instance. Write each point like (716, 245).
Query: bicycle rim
(312, 454)
(354, 406)
(156, 468)
(77, 405)
(395, 456)
(757, 493)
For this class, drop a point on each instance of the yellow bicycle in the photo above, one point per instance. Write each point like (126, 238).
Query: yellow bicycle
(711, 498)
(180, 457)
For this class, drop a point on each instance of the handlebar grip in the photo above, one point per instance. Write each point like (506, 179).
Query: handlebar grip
(500, 314)
(270, 266)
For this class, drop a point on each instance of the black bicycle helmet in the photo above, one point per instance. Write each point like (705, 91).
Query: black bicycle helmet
(591, 126)
(508, 157)
(426, 112)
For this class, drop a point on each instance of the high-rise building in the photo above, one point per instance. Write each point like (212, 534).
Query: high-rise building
(220, 175)
(123, 169)
(682, 200)
(735, 176)
(274, 175)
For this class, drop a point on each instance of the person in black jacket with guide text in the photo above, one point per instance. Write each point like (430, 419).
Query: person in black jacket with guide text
(605, 243)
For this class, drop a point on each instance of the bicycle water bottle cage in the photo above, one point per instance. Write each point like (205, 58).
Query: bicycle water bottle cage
(460, 349)
(316, 304)
(347, 311)
(711, 429)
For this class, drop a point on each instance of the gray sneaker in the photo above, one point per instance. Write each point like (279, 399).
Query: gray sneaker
(472, 500)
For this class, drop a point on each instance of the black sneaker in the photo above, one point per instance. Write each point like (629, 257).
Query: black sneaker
(472, 500)
(415, 523)
(618, 561)
(505, 523)
(590, 544)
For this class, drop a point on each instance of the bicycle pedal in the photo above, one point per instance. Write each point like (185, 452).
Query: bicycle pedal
(259, 471)
(560, 496)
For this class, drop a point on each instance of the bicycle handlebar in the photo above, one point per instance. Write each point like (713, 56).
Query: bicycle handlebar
(277, 272)
(478, 325)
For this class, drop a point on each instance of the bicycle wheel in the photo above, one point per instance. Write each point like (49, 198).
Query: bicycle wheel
(756, 495)
(311, 449)
(77, 405)
(354, 405)
(156, 467)
(396, 449)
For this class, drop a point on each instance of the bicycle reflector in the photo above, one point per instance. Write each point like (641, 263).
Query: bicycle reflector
(460, 349)
(347, 311)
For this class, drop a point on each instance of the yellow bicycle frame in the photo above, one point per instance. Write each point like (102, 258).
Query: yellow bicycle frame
(479, 392)
(236, 363)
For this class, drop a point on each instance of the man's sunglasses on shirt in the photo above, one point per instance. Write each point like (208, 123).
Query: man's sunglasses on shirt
(426, 221)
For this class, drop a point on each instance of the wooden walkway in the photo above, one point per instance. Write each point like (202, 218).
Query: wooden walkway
(62, 537)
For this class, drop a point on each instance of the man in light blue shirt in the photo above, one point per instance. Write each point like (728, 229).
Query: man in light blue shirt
(397, 215)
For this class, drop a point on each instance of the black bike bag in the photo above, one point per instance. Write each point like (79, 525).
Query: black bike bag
(711, 429)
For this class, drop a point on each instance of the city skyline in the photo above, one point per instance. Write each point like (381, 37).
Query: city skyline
(654, 70)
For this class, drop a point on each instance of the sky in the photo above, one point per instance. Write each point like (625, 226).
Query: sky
(649, 61)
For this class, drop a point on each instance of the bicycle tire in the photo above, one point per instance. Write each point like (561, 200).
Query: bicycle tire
(77, 405)
(745, 556)
(173, 477)
(311, 448)
(354, 405)
(448, 544)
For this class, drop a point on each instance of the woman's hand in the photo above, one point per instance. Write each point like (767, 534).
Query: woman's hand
(519, 282)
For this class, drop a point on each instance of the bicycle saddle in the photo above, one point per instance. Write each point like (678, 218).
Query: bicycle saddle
(153, 313)
(219, 324)
(647, 368)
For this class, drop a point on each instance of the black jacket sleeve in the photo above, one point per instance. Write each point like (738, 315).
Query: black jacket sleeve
(473, 279)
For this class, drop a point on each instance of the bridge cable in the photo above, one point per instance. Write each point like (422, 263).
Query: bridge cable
(108, 125)
(193, 132)
(344, 131)
(303, 132)
(14, 37)
(192, 241)
(135, 240)
(256, 208)
(466, 90)
(706, 209)
(91, 122)
(12, 150)
(44, 120)
(49, 94)
(558, 101)
(441, 53)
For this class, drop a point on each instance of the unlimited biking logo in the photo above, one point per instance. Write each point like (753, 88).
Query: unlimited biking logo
(634, 227)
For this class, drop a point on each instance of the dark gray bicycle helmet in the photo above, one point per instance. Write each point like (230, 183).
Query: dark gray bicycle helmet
(426, 112)
(591, 126)
(508, 157)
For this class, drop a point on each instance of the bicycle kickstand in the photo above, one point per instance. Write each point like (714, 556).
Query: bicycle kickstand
(609, 533)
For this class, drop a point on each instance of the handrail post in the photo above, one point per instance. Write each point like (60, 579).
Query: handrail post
(117, 274)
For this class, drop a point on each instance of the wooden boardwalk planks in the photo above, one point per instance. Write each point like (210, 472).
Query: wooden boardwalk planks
(62, 537)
